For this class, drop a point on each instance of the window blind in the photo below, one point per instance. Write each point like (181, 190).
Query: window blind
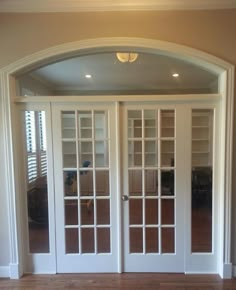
(35, 128)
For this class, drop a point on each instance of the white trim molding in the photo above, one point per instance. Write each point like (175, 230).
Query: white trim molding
(227, 271)
(111, 5)
(223, 69)
(14, 271)
(10, 175)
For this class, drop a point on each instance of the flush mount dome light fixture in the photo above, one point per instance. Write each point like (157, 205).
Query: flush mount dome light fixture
(175, 75)
(127, 56)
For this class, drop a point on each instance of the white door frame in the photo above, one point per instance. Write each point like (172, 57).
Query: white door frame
(33, 261)
(86, 262)
(8, 96)
(157, 262)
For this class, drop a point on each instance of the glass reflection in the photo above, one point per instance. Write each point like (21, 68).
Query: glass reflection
(36, 182)
(150, 123)
(72, 240)
(167, 182)
(202, 173)
(135, 211)
(135, 182)
(202, 210)
(87, 211)
(86, 182)
(167, 153)
(151, 182)
(69, 154)
(134, 124)
(151, 211)
(85, 124)
(167, 211)
(86, 153)
(87, 240)
(103, 211)
(70, 183)
(135, 153)
(102, 182)
(136, 240)
(167, 123)
(101, 154)
(151, 153)
(71, 212)
(68, 125)
(100, 119)
(168, 240)
(103, 240)
(152, 240)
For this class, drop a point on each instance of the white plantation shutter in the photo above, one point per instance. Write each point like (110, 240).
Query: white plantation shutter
(42, 144)
(31, 146)
(35, 145)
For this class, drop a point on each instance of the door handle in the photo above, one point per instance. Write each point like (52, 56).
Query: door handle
(125, 197)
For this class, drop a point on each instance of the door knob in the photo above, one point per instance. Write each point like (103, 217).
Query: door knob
(125, 197)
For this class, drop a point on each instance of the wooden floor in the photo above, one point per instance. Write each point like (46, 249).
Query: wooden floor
(119, 281)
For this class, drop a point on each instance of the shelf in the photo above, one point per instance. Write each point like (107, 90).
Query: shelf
(167, 138)
(201, 139)
(69, 139)
(201, 165)
(200, 127)
(68, 128)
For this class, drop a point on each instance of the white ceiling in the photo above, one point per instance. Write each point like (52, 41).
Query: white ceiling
(151, 72)
(109, 5)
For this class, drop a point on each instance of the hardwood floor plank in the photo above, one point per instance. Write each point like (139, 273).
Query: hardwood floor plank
(132, 281)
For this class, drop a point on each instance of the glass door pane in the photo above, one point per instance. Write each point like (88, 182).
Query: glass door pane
(37, 181)
(151, 179)
(86, 181)
(86, 199)
(202, 175)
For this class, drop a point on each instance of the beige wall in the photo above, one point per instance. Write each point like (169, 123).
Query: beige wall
(209, 31)
(212, 32)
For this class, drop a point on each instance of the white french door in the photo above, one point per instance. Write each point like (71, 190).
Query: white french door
(129, 191)
(153, 189)
(85, 188)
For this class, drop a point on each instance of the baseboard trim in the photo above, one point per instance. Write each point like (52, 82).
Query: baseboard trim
(227, 271)
(4, 272)
(200, 273)
(14, 271)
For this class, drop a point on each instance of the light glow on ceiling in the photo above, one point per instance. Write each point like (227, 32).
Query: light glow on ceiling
(175, 75)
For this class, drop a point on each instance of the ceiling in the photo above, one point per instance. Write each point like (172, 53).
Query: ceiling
(149, 73)
(109, 5)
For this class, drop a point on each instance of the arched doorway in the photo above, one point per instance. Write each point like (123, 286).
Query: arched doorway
(224, 112)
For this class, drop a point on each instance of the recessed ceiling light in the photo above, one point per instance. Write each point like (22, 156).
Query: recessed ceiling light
(175, 75)
(88, 76)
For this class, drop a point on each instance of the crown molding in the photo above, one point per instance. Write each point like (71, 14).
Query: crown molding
(30, 6)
